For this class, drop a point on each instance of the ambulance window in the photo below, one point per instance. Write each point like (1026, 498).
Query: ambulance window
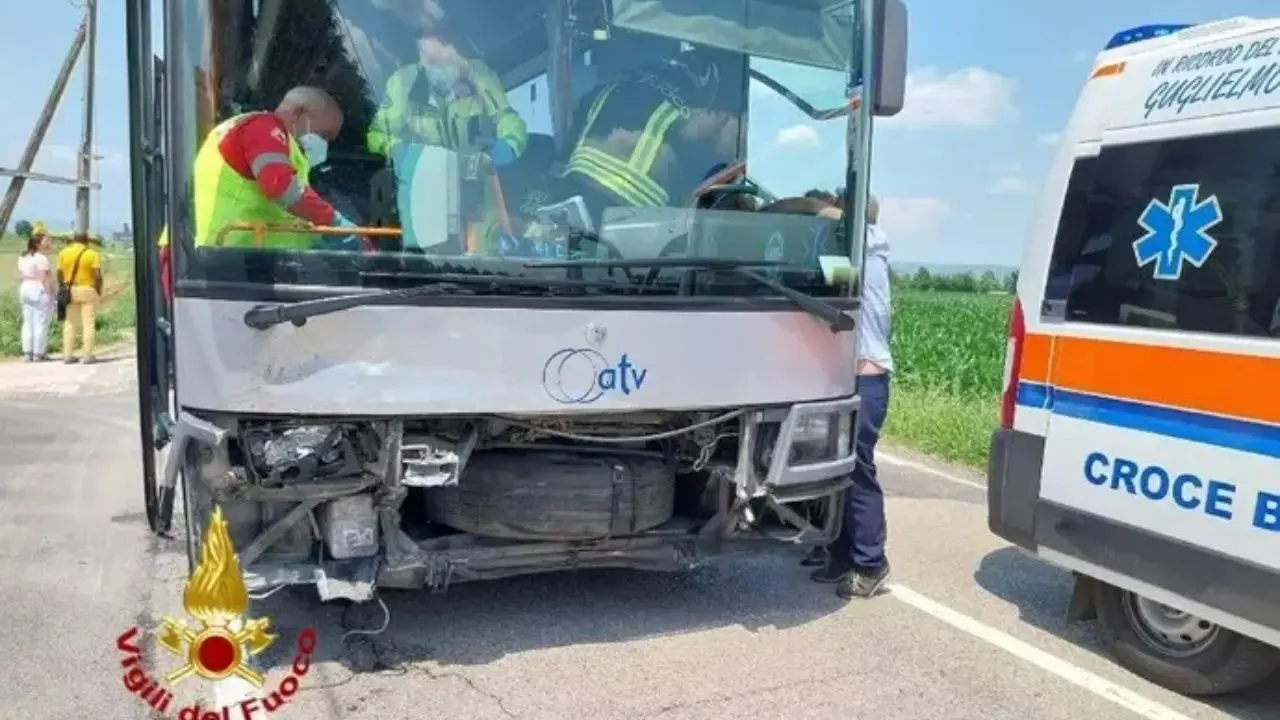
(1179, 234)
(1066, 244)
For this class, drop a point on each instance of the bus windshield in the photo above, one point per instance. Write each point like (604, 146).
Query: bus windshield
(390, 143)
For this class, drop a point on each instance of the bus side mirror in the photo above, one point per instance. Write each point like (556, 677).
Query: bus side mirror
(889, 41)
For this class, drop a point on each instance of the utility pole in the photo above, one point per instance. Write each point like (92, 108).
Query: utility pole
(23, 172)
(85, 173)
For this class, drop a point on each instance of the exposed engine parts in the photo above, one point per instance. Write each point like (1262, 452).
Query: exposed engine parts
(283, 454)
(436, 461)
(349, 503)
(557, 495)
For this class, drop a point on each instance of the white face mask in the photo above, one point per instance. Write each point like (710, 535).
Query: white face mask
(315, 148)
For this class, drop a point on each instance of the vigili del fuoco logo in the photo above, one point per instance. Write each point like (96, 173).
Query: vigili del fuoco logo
(217, 644)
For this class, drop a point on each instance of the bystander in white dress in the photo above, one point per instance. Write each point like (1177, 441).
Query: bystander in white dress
(37, 305)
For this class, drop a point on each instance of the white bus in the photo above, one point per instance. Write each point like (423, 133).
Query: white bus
(443, 403)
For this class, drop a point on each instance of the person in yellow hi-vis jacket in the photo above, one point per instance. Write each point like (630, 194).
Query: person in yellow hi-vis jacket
(449, 101)
(254, 168)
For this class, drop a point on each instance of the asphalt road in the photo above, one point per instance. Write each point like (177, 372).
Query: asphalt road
(972, 628)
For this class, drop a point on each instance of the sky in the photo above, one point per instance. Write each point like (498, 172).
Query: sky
(958, 171)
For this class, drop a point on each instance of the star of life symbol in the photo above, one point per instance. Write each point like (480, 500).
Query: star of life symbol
(1177, 232)
(216, 597)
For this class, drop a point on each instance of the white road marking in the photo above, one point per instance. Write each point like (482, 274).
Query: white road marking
(921, 467)
(1052, 664)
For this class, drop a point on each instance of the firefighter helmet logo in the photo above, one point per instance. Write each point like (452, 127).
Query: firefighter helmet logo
(216, 597)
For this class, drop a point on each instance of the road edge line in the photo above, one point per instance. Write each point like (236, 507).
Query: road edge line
(921, 467)
(1050, 663)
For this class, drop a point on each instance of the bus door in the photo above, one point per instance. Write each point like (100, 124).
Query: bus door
(154, 329)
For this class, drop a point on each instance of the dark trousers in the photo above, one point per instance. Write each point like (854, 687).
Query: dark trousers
(863, 530)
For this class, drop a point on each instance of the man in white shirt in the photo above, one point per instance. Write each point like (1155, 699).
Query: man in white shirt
(856, 561)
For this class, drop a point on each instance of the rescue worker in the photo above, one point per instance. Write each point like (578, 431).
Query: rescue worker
(254, 168)
(647, 138)
(450, 101)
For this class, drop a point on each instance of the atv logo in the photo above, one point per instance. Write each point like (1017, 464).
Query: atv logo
(581, 376)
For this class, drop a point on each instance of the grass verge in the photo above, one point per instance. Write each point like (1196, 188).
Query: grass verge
(948, 351)
(115, 322)
(943, 425)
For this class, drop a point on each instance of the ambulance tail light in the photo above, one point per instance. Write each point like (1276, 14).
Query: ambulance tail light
(1012, 364)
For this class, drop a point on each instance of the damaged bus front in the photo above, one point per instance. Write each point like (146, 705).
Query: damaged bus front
(569, 330)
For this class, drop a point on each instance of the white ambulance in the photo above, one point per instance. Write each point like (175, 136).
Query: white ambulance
(1139, 444)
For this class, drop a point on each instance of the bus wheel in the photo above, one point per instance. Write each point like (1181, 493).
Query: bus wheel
(1178, 650)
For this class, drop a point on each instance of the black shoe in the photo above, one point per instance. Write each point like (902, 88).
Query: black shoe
(863, 585)
(816, 557)
(834, 571)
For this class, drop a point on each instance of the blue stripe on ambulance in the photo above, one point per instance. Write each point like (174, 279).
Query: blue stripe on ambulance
(1231, 433)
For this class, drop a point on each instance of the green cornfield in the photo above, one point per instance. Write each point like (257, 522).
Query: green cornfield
(948, 353)
(951, 342)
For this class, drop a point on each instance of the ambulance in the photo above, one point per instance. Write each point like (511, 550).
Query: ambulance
(1139, 437)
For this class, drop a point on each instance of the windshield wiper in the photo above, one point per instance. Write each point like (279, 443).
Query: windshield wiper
(835, 318)
(262, 317)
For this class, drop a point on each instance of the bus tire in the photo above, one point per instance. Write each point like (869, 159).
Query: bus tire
(1209, 660)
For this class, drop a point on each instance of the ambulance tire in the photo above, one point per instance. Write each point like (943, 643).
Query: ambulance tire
(1229, 662)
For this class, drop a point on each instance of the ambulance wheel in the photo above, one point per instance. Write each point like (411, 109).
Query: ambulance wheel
(1177, 650)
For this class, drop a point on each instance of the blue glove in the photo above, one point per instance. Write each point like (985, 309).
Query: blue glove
(340, 242)
(501, 153)
(514, 246)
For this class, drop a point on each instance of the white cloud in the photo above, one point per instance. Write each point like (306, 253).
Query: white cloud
(1049, 138)
(1011, 185)
(912, 215)
(969, 97)
(798, 136)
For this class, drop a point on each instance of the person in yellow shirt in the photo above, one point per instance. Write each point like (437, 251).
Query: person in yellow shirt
(79, 292)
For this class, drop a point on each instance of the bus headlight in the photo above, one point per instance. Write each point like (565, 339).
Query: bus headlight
(820, 438)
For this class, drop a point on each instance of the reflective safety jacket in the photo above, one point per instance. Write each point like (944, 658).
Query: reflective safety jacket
(412, 112)
(630, 141)
(224, 196)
